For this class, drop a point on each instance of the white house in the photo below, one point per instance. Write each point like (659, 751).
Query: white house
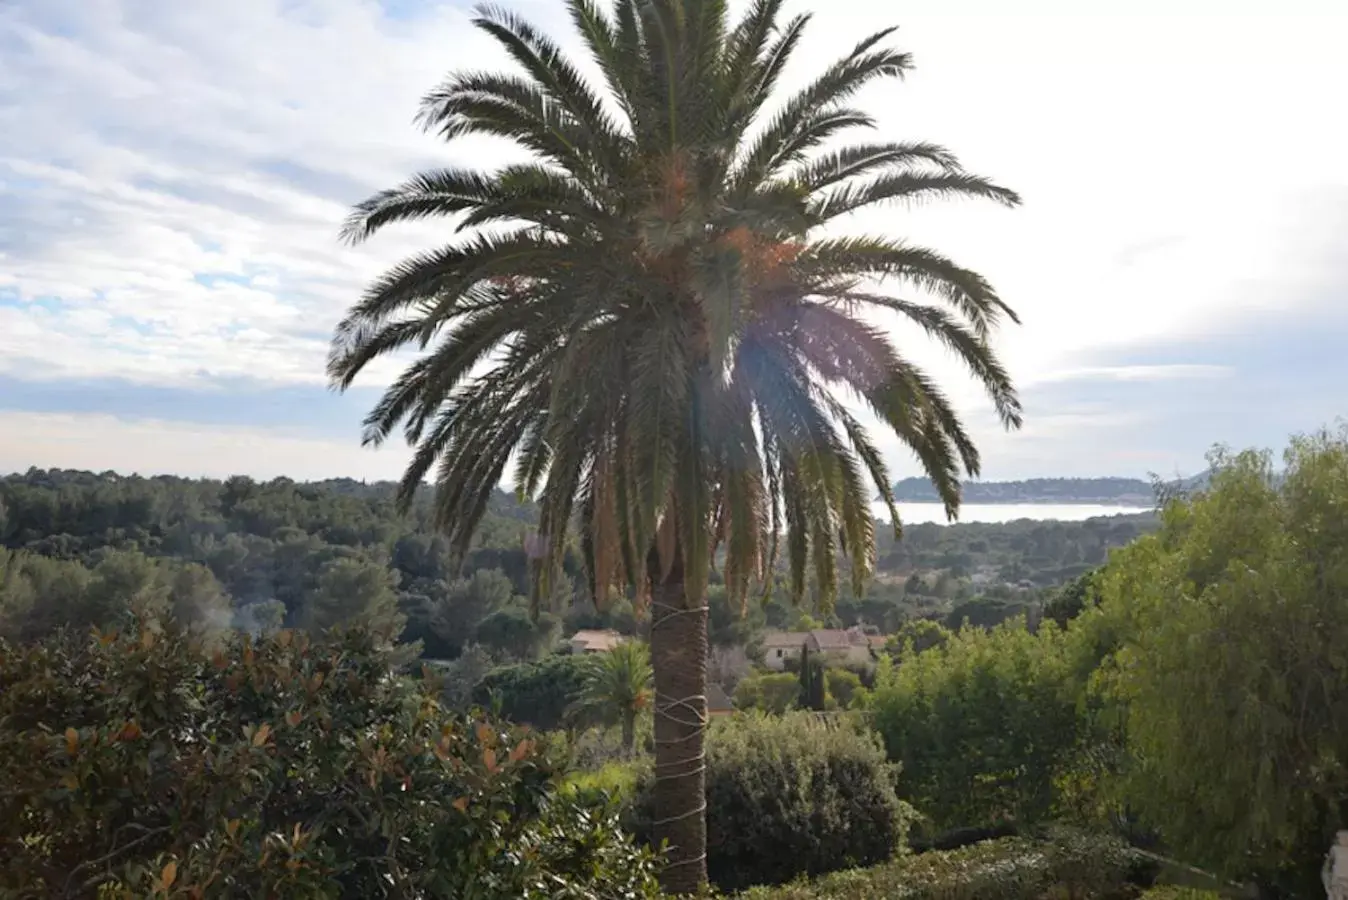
(851, 645)
(781, 646)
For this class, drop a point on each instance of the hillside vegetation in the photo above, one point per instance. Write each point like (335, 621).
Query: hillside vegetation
(78, 545)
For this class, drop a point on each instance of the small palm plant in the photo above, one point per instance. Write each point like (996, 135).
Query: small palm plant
(617, 689)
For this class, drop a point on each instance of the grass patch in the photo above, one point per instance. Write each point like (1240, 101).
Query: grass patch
(616, 779)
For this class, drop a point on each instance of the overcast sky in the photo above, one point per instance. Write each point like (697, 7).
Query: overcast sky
(173, 175)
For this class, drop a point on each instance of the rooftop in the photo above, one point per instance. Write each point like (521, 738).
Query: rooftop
(594, 641)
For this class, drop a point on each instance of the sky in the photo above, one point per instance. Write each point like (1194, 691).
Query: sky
(173, 177)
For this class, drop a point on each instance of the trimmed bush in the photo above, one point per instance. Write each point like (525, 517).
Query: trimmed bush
(1068, 865)
(791, 795)
(537, 694)
(144, 764)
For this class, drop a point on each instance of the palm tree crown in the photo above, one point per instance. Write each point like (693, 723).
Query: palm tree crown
(649, 317)
(617, 688)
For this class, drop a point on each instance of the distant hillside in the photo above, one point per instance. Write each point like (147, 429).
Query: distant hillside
(1111, 491)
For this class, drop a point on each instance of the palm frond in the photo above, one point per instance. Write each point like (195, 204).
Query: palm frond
(832, 261)
(910, 187)
(968, 347)
(641, 315)
(775, 146)
(862, 159)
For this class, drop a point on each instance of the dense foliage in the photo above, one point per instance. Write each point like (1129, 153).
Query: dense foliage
(772, 692)
(538, 694)
(143, 762)
(260, 555)
(1062, 865)
(982, 724)
(792, 795)
(1231, 663)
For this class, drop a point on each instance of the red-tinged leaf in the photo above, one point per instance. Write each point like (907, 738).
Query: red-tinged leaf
(168, 875)
(460, 804)
(130, 731)
(232, 827)
(484, 733)
(260, 736)
(489, 760)
(522, 749)
(72, 741)
(293, 717)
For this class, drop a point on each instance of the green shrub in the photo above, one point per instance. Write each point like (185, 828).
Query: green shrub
(1228, 629)
(843, 685)
(615, 782)
(1066, 866)
(982, 724)
(790, 795)
(537, 694)
(773, 692)
(137, 762)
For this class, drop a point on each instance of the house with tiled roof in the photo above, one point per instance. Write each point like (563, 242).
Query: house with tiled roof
(836, 645)
(779, 647)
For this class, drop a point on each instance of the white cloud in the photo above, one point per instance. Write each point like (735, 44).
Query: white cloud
(1135, 373)
(1179, 171)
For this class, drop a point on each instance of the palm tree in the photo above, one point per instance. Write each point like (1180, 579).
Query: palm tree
(618, 686)
(647, 317)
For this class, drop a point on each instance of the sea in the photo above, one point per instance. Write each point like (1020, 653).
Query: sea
(919, 513)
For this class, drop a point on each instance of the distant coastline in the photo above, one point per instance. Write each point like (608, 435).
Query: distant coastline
(1132, 492)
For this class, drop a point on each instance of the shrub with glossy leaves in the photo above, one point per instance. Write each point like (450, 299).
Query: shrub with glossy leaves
(791, 795)
(143, 763)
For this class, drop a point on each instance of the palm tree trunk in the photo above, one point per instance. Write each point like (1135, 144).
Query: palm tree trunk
(629, 732)
(679, 660)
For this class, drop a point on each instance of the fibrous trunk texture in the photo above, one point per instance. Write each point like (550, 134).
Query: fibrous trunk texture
(679, 658)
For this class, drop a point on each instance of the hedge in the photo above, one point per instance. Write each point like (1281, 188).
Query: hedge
(1066, 864)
